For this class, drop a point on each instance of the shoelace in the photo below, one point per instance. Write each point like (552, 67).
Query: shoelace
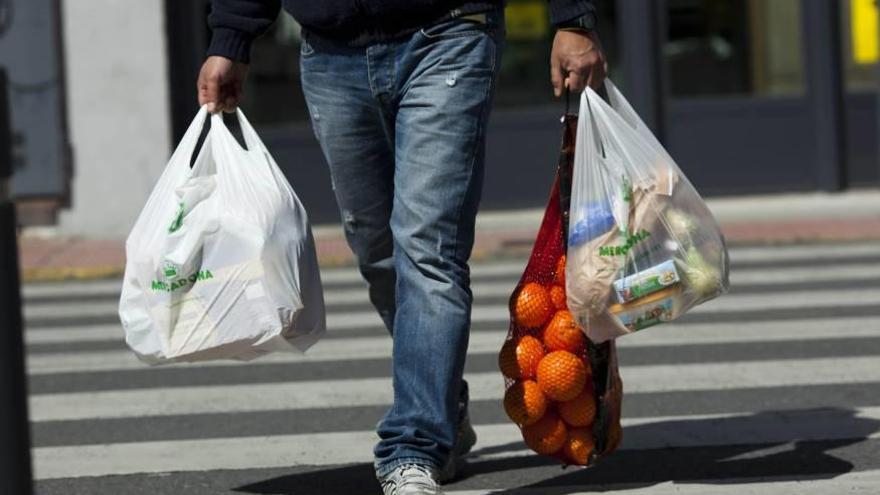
(409, 475)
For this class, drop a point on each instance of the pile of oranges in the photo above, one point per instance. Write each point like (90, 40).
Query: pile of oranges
(551, 397)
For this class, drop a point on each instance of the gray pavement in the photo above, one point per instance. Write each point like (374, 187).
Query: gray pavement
(850, 204)
(852, 215)
(773, 389)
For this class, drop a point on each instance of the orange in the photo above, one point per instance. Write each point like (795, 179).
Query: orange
(547, 435)
(562, 375)
(557, 295)
(524, 402)
(578, 446)
(520, 358)
(532, 305)
(563, 334)
(579, 411)
(560, 272)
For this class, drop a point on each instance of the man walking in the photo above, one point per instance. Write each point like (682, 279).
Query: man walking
(399, 93)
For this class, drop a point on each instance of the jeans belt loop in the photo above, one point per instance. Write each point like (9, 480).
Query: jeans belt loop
(478, 18)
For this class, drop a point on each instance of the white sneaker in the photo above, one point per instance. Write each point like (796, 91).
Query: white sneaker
(410, 479)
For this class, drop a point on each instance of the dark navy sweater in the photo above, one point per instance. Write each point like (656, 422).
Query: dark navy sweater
(235, 23)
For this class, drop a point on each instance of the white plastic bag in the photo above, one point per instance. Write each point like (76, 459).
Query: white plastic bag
(643, 247)
(221, 262)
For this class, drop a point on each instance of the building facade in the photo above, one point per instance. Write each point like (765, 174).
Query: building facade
(750, 96)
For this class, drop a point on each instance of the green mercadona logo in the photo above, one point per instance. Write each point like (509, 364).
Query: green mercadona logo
(626, 189)
(631, 240)
(183, 282)
(170, 271)
(178, 220)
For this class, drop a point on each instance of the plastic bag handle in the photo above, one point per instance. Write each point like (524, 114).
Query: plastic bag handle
(593, 122)
(251, 141)
(247, 130)
(236, 166)
(190, 139)
(602, 92)
(567, 101)
(195, 127)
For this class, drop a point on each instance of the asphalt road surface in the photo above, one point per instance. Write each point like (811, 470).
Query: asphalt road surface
(772, 389)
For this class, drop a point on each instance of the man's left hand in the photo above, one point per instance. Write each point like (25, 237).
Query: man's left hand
(576, 61)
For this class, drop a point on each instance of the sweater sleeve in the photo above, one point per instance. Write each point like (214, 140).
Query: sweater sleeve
(235, 23)
(566, 10)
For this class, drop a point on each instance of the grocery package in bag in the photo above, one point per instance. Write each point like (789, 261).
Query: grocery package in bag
(221, 262)
(563, 391)
(643, 246)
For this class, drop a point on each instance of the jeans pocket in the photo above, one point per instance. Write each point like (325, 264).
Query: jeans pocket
(455, 28)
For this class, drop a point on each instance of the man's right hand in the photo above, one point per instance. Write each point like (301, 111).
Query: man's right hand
(220, 83)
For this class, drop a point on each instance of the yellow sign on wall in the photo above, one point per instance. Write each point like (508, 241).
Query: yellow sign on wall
(526, 20)
(863, 24)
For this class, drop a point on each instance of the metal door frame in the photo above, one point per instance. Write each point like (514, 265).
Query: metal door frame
(642, 25)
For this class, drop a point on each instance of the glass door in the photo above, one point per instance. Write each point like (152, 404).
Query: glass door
(860, 53)
(736, 115)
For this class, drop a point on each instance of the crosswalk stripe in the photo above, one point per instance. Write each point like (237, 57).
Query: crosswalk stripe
(493, 313)
(798, 337)
(668, 334)
(819, 252)
(488, 342)
(814, 275)
(821, 255)
(352, 418)
(484, 386)
(351, 447)
(89, 333)
(503, 288)
(477, 362)
(852, 483)
(819, 273)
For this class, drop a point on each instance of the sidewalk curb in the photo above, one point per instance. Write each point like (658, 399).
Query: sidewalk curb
(503, 245)
(62, 273)
(853, 216)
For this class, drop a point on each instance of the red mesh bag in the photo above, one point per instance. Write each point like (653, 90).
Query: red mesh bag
(562, 390)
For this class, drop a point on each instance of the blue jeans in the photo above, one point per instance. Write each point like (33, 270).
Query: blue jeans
(402, 126)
